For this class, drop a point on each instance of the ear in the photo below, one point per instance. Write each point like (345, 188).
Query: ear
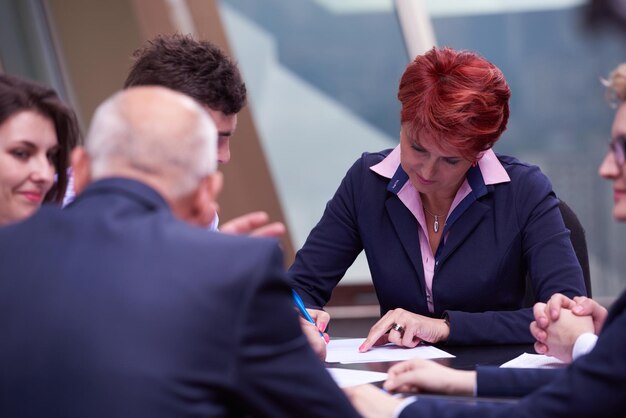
(81, 169)
(204, 205)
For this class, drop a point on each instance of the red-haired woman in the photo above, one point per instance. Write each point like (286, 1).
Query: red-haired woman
(449, 228)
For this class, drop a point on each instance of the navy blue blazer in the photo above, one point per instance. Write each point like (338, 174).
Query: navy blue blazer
(114, 308)
(497, 235)
(493, 381)
(592, 386)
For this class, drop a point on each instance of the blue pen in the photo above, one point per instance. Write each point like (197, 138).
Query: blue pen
(303, 311)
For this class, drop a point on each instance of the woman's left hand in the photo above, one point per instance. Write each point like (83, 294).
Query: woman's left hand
(405, 329)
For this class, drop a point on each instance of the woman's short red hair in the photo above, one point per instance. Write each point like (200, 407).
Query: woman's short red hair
(458, 97)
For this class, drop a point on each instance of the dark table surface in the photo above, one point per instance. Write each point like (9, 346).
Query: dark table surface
(466, 358)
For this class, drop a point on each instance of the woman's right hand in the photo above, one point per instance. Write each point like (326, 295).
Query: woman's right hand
(316, 341)
(321, 318)
(405, 329)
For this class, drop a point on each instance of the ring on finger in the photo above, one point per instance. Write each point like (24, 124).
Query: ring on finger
(397, 327)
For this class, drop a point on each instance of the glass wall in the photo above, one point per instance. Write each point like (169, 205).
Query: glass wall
(323, 76)
(322, 90)
(26, 44)
(559, 117)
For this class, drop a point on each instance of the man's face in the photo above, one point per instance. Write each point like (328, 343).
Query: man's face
(226, 125)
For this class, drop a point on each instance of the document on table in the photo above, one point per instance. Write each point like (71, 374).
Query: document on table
(534, 361)
(346, 378)
(347, 351)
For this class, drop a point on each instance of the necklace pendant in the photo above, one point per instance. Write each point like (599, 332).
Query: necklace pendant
(436, 224)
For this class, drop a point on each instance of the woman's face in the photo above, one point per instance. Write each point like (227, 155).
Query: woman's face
(28, 145)
(612, 167)
(431, 171)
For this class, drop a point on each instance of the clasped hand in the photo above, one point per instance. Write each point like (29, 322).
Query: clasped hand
(560, 321)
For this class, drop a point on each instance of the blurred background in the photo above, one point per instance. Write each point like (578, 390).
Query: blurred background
(322, 78)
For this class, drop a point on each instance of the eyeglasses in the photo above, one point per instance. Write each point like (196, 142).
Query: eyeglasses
(617, 147)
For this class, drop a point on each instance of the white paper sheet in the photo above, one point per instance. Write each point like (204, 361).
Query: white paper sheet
(347, 377)
(534, 361)
(347, 351)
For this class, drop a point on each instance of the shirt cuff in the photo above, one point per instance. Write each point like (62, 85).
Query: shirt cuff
(584, 344)
(214, 223)
(404, 404)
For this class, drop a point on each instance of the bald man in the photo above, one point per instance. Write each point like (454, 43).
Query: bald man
(119, 307)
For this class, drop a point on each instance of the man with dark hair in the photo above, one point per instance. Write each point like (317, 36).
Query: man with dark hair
(198, 69)
(204, 72)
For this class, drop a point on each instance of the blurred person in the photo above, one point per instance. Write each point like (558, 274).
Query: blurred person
(600, 15)
(203, 71)
(566, 344)
(450, 229)
(37, 133)
(592, 386)
(118, 306)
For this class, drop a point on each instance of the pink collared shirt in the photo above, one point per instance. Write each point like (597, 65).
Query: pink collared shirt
(492, 172)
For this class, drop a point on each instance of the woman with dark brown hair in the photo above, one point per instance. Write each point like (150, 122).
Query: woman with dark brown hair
(37, 133)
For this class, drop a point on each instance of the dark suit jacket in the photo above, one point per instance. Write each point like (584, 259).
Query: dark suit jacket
(497, 234)
(114, 308)
(492, 381)
(592, 386)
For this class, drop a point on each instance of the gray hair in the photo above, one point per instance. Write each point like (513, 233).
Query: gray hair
(156, 132)
(616, 85)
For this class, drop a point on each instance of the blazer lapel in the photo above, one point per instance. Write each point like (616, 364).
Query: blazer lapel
(404, 223)
(472, 217)
(405, 226)
(616, 310)
(472, 211)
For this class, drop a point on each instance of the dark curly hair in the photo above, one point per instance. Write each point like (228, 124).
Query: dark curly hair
(196, 68)
(18, 94)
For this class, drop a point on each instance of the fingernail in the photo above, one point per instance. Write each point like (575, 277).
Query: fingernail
(322, 326)
(577, 308)
(553, 312)
(362, 347)
(326, 338)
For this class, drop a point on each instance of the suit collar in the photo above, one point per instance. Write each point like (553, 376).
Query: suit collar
(488, 171)
(470, 207)
(406, 227)
(132, 189)
(474, 178)
(617, 309)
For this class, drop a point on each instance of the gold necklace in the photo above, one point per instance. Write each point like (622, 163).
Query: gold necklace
(436, 223)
